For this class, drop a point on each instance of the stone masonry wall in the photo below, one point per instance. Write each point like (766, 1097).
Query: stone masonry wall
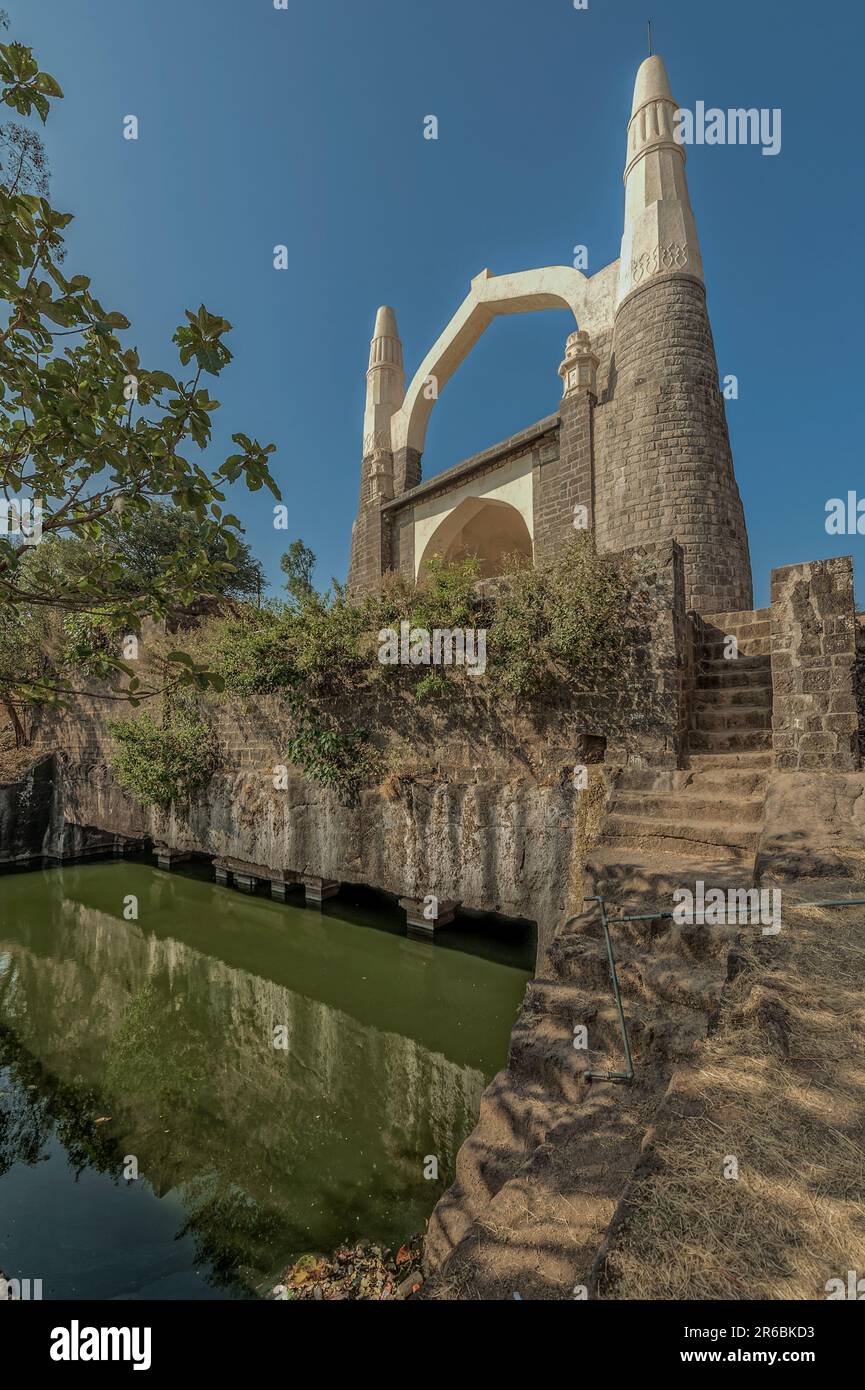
(663, 466)
(369, 542)
(815, 719)
(478, 803)
(564, 478)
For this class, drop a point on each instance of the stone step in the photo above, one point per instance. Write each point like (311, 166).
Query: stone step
(751, 760)
(558, 997)
(711, 834)
(757, 695)
(758, 645)
(744, 717)
(731, 675)
(730, 621)
(542, 1052)
(662, 966)
(747, 634)
(740, 784)
(540, 1234)
(714, 663)
(743, 632)
(631, 877)
(513, 1120)
(667, 979)
(725, 775)
(686, 805)
(729, 741)
(700, 850)
(656, 945)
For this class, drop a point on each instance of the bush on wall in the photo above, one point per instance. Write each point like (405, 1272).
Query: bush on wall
(558, 621)
(159, 764)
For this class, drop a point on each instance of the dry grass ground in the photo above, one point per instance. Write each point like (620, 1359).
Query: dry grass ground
(780, 1089)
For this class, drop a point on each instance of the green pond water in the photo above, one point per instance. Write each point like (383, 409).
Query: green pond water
(148, 1046)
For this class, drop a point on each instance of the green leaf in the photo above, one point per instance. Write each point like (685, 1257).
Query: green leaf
(44, 82)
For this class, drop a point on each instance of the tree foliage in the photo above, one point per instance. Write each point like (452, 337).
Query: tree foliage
(101, 439)
(297, 565)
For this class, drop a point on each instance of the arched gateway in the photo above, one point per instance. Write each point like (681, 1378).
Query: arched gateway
(486, 528)
(639, 441)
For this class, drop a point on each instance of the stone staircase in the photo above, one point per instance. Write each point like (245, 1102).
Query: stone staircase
(713, 808)
(541, 1178)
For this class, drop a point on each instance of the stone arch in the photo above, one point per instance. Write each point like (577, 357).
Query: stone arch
(591, 300)
(481, 526)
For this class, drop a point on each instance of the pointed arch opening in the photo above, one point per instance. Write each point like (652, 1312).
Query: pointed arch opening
(481, 527)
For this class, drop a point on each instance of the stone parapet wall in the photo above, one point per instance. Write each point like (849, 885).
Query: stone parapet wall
(815, 715)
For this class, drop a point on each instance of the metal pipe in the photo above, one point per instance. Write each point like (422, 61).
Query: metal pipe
(651, 917)
(613, 1075)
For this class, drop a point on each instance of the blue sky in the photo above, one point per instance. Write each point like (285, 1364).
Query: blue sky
(305, 127)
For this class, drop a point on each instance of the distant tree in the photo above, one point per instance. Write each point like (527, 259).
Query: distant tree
(157, 537)
(297, 564)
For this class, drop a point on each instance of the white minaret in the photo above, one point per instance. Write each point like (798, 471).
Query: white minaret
(660, 235)
(385, 382)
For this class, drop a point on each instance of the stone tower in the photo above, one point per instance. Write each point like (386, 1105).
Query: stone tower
(638, 448)
(663, 466)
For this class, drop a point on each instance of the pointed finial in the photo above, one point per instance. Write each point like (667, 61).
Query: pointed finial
(385, 323)
(385, 348)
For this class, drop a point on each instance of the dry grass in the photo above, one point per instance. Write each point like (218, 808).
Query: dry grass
(781, 1087)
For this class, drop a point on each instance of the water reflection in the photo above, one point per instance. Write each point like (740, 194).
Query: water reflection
(149, 1046)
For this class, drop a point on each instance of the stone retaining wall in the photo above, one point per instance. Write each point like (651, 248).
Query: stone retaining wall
(477, 803)
(815, 717)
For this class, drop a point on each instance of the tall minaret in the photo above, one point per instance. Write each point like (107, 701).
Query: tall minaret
(660, 233)
(663, 466)
(385, 391)
(385, 382)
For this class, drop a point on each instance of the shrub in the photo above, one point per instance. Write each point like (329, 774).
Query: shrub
(444, 598)
(343, 761)
(161, 764)
(250, 654)
(561, 620)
